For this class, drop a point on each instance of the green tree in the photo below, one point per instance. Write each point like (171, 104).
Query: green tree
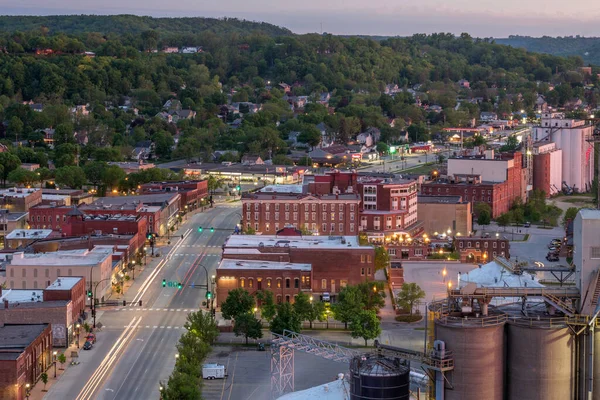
(248, 326)
(15, 127)
(305, 161)
(365, 325)
(410, 294)
(382, 148)
(481, 207)
(9, 162)
(70, 176)
(21, 176)
(112, 175)
(44, 379)
(181, 387)
(382, 258)
(512, 143)
(310, 135)
(238, 302)
(94, 171)
(303, 307)
(570, 215)
(483, 218)
(62, 359)
(202, 325)
(286, 319)
(318, 312)
(504, 219)
(372, 294)
(213, 183)
(66, 154)
(268, 308)
(348, 305)
(280, 159)
(63, 134)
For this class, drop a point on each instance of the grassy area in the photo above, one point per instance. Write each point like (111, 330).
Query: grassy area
(419, 328)
(578, 200)
(424, 169)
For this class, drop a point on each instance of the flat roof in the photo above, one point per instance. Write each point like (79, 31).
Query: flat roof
(320, 242)
(64, 283)
(147, 199)
(589, 213)
(13, 216)
(439, 199)
(22, 295)
(257, 264)
(64, 257)
(282, 189)
(29, 234)
(17, 192)
(14, 339)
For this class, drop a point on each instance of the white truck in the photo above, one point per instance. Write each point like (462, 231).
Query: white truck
(213, 371)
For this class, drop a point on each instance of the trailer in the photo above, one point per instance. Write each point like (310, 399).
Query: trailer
(213, 371)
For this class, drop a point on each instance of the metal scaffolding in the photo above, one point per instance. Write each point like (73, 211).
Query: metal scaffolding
(282, 370)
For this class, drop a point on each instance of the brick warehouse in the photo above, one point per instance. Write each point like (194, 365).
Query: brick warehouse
(472, 249)
(335, 261)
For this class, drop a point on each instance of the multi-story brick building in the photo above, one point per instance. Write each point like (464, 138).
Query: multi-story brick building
(472, 189)
(443, 213)
(49, 216)
(20, 199)
(477, 249)
(192, 192)
(326, 214)
(336, 261)
(547, 168)
(25, 353)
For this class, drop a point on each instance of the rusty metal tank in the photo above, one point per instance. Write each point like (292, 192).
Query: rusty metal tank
(478, 347)
(540, 359)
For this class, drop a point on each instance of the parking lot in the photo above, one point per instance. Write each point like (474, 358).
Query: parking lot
(249, 373)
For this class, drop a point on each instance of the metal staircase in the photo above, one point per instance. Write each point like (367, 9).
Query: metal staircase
(596, 290)
(558, 304)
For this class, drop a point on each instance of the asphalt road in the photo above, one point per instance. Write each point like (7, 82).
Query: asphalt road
(136, 347)
(397, 165)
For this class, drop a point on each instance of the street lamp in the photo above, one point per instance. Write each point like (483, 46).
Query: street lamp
(27, 390)
(78, 326)
(54, 353)
(444, 273)
(311, 299)
(176, 356)
(449, 285)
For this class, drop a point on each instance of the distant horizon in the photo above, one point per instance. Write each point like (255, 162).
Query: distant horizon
(403, 20)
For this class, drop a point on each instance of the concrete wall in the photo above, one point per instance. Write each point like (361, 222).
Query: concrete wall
(490, 170)
(439, 217)
(540, 363)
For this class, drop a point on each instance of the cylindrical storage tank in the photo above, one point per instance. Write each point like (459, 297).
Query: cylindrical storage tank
(540, 360)
(596, 393)
(375, 377)
(477, 345)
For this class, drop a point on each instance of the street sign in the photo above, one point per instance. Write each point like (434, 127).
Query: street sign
(392, 149)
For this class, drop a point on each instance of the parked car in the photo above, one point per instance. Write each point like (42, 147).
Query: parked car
(552, 257)
(527, 224)
(260, 347)
(552, 248)
(91, 338)
(326, 297)
(88, 346)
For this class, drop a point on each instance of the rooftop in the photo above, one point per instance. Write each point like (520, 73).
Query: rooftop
(14, 339)
(282, 189)
(22, 295)
(439, 199)
(316, 242)
(589, 213)
(64, 283)
(29, 234)
(146, 199)
(336, 390)
(257, 264)
(13, 216)
(17, 192)
(64, 257)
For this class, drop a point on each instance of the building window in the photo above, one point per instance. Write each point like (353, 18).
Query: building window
(351, 227)
(324, 227)
(256, 226)
(313, 207)
(267, 227)
(296, 283)
(278, 283)
(324, 207)
(324, 284)
(313, 216)
(278, 299)
(368, 258)
(333, 207)
(369, 271)
(502, 245)
(343, 283)
(267, 217)
(267, 206)
(392, 252)
(351, 216)
(248, 205)
(287, 298)
(256, 216)
(476, 245)
(306, 216)
(268, 282)
(277, 207)
(306, 207)
(276, 216)
(333, 216)
(287, 207)
(485, 245)
(35, 272)
(419, 252)
(341, 226)
(287, 283)
(295, 207)
(287, 216)
(494, 245)
(468, 245)
(24, 284)
(460, 244)
(324, 217)
(58, 272)
(341, 216)
(363, 257)
(250, 282)
(242, 282)
(362, 271)
(332, 227)
(351, 207)
(24, 273)
(35, 285)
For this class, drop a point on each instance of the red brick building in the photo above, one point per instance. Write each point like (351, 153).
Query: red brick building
(152, 213)
(192, 192)
(335, 262)
(49, 216)
(25, 353)
(326, 214)
(478, 250)
(470, 187)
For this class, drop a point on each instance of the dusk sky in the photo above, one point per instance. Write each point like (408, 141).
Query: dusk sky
(482, 18)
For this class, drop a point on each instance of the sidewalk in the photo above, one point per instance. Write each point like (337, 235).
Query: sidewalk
(37, 391)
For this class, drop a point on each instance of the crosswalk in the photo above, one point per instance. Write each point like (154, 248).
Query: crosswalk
(200, 245)
(195, 254)
(172, 327)
(158, 309)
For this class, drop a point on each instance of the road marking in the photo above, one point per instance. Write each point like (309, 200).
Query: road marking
(105, 366)
(168, 327)
(185, 310)
(179, 309)
(152, 309)
(165, 309)
(147, 326)
(154, 327)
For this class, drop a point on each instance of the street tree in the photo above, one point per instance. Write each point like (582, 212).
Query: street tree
(365, 325)
(22, 176)
(70, 176)
(8, 162)
(382, 148)
(382, 258)
(44, 379)
(202, 325)
(268, 308)
(504, 219)
(348, 305)
(94, 172)
(112, 175)
(302, 306)
(310, 135)
(247, 325)
(409, 295)
(483, 218)
(570, 215)
(62, 359)
(238, 302)
(372, 294)
(181, 387)
(318, 312)
(286, 319)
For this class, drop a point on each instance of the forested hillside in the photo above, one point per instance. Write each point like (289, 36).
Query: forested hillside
(133, 24)
(588, 48)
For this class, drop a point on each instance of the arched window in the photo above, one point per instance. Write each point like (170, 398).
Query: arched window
(242, 282)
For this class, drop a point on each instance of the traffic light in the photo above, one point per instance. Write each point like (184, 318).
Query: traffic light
(209, 295)
(164, 283)
(179, 285)
(149, 236)
(212, 229)
(200, 229)
(89, 294)
(239, 187)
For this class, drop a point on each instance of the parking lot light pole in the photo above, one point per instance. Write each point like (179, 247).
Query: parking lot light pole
(54, 359)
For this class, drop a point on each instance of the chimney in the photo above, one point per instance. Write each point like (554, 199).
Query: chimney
(5, 304)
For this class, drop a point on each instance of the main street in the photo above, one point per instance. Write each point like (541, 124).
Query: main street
(396, 165)
(136, 347)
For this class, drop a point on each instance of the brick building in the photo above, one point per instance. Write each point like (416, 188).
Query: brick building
(192, 192)
(20, 199)
(49, 216)
(25, 353)
(547, 168)
(326, 214)
(443, 213)
(9, 221)
(480, 250)
(21, 238)
(472, 189)
(285, 280)
(61, 305)
(336, 261)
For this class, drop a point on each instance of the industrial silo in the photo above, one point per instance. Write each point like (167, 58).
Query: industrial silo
(540, 359)
(477, 345)
(377, 377)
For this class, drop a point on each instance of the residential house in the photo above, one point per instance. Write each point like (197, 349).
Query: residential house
(170, 50)
(285, 87)
(326, 137)
(324, 98)
(435, 108)
(172, 105)
(81, 110)
(252, 160)
(37, 107)
(165, 116)
(182, 114)
(365, 139)
(463, 83)
(191, 50)
(142, 150)
(488, 116)
(392, 89)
